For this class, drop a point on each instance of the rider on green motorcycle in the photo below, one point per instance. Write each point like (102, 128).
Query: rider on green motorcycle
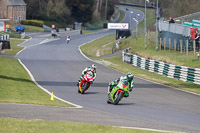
(129, 77)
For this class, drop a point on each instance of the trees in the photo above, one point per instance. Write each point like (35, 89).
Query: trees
(173, 8)
(70, 11)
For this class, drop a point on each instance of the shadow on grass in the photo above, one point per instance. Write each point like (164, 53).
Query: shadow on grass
(195, 60)
(15, 79)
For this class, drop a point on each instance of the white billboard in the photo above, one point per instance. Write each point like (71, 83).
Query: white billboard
(118, 25)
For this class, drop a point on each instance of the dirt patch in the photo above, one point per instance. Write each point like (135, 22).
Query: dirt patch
(98, 53)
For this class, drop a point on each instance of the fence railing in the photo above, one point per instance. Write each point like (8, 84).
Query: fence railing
(177, 45)
(182, 73)
(4, 36)
(175, 28)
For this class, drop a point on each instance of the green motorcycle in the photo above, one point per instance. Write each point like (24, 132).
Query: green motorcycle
(118, 92)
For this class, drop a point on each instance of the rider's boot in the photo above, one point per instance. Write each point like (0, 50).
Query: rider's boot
(126, 94)
(79, 81)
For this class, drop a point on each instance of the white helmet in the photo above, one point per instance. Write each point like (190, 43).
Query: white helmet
(89, 69)
(94, 66)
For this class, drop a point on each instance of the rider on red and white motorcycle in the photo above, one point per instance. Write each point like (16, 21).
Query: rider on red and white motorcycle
(89, 69)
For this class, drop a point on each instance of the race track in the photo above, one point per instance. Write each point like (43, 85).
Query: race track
(57, 66)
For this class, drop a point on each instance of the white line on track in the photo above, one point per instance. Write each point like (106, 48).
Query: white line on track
(33, 79)
(148, 129)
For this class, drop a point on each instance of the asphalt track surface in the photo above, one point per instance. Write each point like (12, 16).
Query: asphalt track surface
(56, 66)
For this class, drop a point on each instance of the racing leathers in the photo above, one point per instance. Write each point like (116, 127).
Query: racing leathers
(115, 83)
(86, 70)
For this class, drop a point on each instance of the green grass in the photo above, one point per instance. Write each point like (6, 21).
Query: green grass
(16, 85)
(28, 28)
(13, 35)
(117, 63)
(172, 57)
(11, 125)
(103, 46)
(14, 48)
(121, 17)
(137, 46)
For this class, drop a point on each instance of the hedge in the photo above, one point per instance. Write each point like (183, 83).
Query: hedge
(33, 22)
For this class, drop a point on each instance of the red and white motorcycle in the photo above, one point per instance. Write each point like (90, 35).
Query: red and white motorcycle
(85, 82)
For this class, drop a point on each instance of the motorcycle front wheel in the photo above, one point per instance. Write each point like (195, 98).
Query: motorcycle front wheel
(117, 98)
(84, 87)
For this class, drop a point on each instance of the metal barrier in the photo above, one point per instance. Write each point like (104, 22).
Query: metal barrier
(4, 36)
(182, 73)
(175, 28)
(175, 32)
(23, 35)
(46, 28)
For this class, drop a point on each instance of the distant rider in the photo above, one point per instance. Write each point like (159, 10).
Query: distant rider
(68, 39)
(89, 69)
(129, 77)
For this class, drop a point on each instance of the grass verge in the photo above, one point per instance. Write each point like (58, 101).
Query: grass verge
(92, 48)
(14, 48)
(16, 85)
(118, 64)
(28, 28)
(121, 17)
(172, 57)
(10, 125)
(103, 46)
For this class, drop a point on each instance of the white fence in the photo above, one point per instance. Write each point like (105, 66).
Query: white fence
(182, 73)
(4, 36)
(175, 28)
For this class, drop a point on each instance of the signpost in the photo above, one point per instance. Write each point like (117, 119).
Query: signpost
(118, 26)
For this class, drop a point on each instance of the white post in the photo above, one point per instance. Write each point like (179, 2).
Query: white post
(145, 41)
(131, 28)
(157, 26)
(138, 15)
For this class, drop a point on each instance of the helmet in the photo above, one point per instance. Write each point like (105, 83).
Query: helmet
(130, 76)
(124, 79)
(93, 68)
(89, 69)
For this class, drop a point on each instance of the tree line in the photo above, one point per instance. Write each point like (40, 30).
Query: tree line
(172, 8)
(70, 11)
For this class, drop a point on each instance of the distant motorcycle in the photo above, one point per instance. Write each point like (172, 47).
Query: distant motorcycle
(118, 92)
(85, 82)
(68, 39)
